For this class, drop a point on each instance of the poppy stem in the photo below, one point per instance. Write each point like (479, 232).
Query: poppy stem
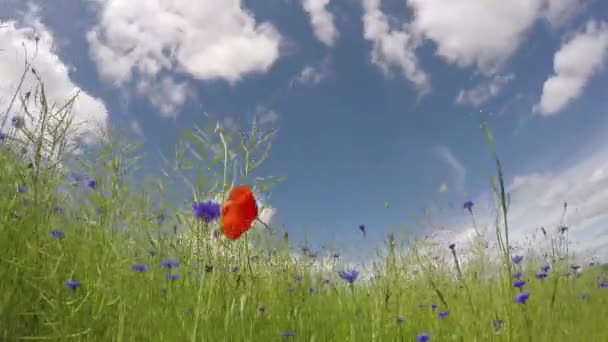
(247, 255)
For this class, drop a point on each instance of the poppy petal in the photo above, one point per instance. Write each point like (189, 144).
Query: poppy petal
(239, 212)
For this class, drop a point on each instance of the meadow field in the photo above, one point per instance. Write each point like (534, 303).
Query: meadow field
(92, 251)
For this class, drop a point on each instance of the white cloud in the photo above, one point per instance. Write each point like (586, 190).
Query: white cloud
(484, 33)
(321, 20)
(537, 201)
(166, 95)
(267, 214)
(312, 75)
(136, 128)
(206, 39)
(392, 47)
(460, 172)
(578, 59)
(89, 113)
(269, 117)
(484, 91)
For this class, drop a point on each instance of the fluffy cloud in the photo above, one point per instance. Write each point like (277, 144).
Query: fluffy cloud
(322, 20)
(206, 39)
(575, 63)
(483, 33)
(89, 113)
(484, 91)
(312, 75)
(393, 48)
(166, 95)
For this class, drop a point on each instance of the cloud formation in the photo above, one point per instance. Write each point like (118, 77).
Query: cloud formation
(321, 20)
(576, 62)
(207, 40)
(89, 113)
(483, 92)
(393, 48)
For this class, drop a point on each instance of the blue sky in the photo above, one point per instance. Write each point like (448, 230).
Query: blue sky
(376, 101)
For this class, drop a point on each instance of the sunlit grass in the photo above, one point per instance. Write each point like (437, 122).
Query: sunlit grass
(91, 258)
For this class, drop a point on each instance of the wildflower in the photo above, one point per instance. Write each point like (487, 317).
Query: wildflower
(443, 314)
(545, 268)
(216, 234)
(517, 275)
(170, 263)
(18, 122)
(312, 290)
(362, 229)
(541, 275)
(206, 211)
(468, 205)
(57, 209)
(517, 259)
(152, 252)
(288, 333)
(434, 306)
(305, 250)
(139, 268)
(563, 229)
(91, 183)
(400, 319)
(452, 246)
(519, 284)
(2, 136)
(497, 324)
(21, 189)
(349, 276)
(261, 309)
(603, 285)
(575, 267)
(336, 255)
(423, 337)
(57, 233)
(298, 277)
(170, 276)
(72, 284)
(521, 298)
(238, 212)
(326, 281)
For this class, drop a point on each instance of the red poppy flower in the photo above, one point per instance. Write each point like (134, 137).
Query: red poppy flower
(238, 212)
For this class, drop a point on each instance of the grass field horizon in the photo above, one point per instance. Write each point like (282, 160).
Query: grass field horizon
(85, 257)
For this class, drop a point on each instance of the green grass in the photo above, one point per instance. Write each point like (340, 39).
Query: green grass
(213, 301)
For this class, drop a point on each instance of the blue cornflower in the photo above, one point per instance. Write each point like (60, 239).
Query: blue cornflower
(434, 306)
(423, 337)
(521, 298)
(170, 263)
(216, 234)
(519, 284)
(139, 268)
(542, 275)
(452, 246)
(298, 277)
(91, 183)
(18, 122)
(288, 333)
(603, 285)
(400, 319)
(21, 189)
(517, 259)
(497, 324)
(57, 233)
(545, 268)
(172, 276)
(349, 276)
(2, 136)
(362, 229)
(206, 211)
(563, 229)
(517, 275)
(72, 284)
(443, 314)
(468, 205)
(336, 255)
